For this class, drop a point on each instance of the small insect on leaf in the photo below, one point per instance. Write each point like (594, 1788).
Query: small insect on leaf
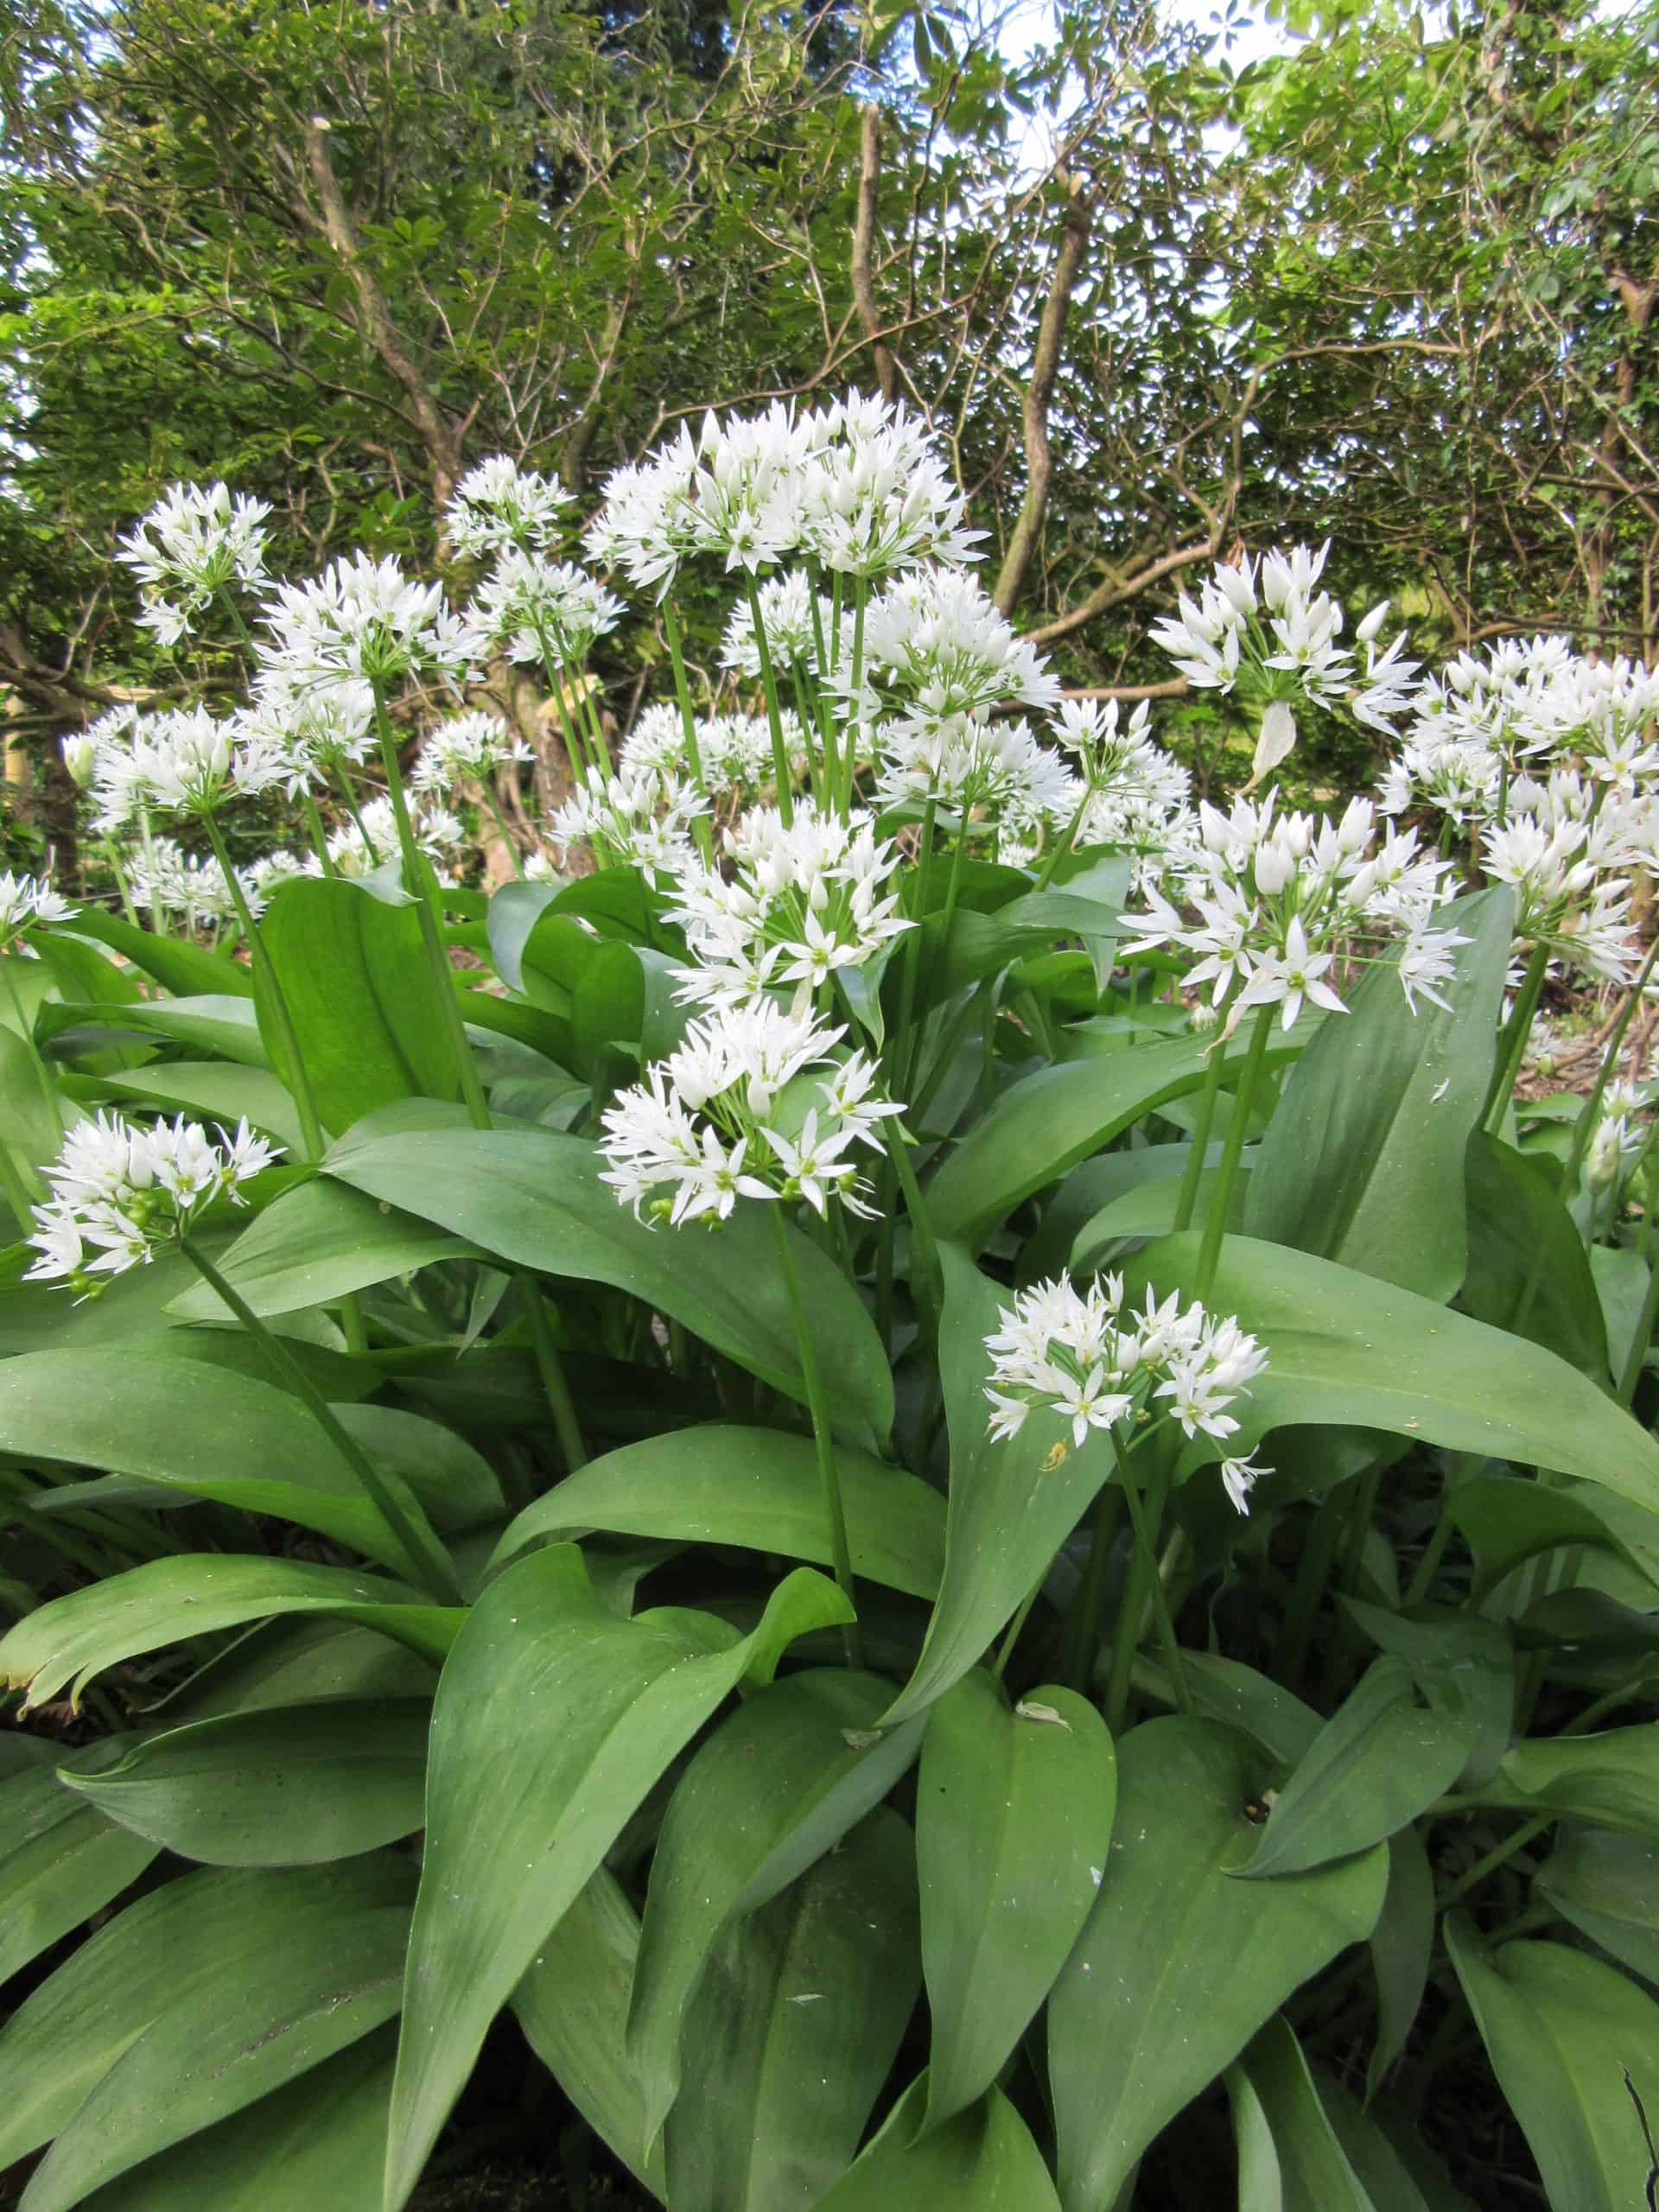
(1029, 1711)
(1058, 1456)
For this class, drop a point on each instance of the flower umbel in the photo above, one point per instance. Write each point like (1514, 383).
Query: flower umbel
(122, 1192)
(756, 1103)
(1078, 1354)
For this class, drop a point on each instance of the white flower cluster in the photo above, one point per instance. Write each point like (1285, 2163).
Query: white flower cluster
(25, 899)
(1493, 718)
(363, 624)
(185, 762)
(755, 1104)
(1077, 1354)
(315, 740)
(791, 634)
(1623, 1132)
(1276, 894)
(1568, 849)
(163, 875)
(1262, 629)
(1139, 799)
(944, 652)
(195, 542)
(637, 819)
(735, 750)
(358, 848)
(467, 748)
(855, 485)
(545, 612)
(803, 903)
(120, 1191)
(499, 507)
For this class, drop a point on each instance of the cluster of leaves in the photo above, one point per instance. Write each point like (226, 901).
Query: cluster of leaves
(418, 1578)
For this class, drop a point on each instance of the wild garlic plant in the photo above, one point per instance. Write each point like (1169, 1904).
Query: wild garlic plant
(925, 1460)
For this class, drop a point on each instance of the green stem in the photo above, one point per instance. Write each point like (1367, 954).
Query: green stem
(689, 724)
(418, 879)
(1146, 1540)
(319, 835)
(551, 1369)
(1005, 1650)
(1585, 1128)
(860, 594)
(829, 1475)
(507, 837)
(348, 792)
(1126, 1635)
(584, 693)
(276, 998)
(1215, 1219)
(1513, 1047)
(430, 1565)
(157, 920)
(1046, 874)
(1083, 1622)
(774, 719)
(1187, 1198)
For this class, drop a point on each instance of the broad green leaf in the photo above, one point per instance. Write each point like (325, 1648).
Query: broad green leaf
(1621, 1279)
(534, 1199)
(168, 1601)
(554, 1718)
(1607, 1884)
(1344, 1348)
(1519, 1226)
(777, 1785)
(318, 2141)
(226, 1026)
(1400, 1945)
(1311, 2172)
(1569, 2038)
(294, 1661)
(1390, 2182)
(361, 998)
(1051, 1119)
(1149, 1210)
(291, 1786)
(61, 1861)
(572, 2006)
(1178, 1966)
(515, 909)
(315, 1244)
(455, 1484)
(210, 1090)
(1363, 1159)
(1010, 1504)
(1225, 1689)
(984, 2160)
(1611, 1778)
(204, 1429)
(182, 967)
(1014, 1820)
(1463, 1665)
(1380, 1760)
(29, 1123)
(753, 1487)
(181, 1947)
(320, 1983)
(1507, 1519)
(793, 2029)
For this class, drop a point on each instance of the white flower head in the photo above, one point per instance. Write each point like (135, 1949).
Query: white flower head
(121, 1191)
(755, 1104)
(468, 748)
(498, 505)
(1078, 1354)
(25, 899)
(362, 623)
(195, 542)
